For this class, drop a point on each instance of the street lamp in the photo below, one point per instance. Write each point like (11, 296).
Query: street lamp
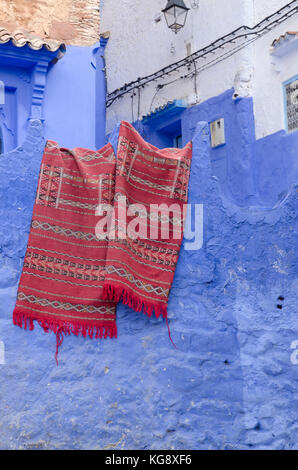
(175, 14)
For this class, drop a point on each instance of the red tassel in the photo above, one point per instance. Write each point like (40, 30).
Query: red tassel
(115, 294)
(170, 333)
(59, 341)
(23, 320)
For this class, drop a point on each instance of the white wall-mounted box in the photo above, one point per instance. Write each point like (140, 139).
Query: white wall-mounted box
(217, 132)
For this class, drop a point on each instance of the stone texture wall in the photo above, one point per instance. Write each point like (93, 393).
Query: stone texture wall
(75, 22)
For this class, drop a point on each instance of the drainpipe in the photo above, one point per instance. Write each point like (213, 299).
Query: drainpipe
(100, 91)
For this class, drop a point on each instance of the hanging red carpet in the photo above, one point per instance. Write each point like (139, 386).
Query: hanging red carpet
(61, 285)
(72, 275)
(140, 266)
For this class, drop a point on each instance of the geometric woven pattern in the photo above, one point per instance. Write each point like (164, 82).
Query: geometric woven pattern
(123, 273)
(61, 286)
(140, 271)
(65, 305)
(73, 275)
(49, 185)
(67, 232)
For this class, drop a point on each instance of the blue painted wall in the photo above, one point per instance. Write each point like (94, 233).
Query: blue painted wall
(69, 103)
(251, 172)
(231, 383)
(16, 107)
(70, 106)
(231, 163)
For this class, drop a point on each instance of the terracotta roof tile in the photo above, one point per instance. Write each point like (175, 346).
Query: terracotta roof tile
(284, 37)
(20, 38)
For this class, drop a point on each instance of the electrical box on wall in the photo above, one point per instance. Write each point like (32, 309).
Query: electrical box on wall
(217, 131)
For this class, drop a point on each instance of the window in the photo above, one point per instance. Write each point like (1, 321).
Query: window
(163, 126)
(12, 116)
(291, 104)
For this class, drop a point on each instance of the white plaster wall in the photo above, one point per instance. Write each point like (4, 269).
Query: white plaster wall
(268, 89)
(138, 46)
(263, 8)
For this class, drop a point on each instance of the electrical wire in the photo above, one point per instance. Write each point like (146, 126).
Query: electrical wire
(219, 59)
(243, 32)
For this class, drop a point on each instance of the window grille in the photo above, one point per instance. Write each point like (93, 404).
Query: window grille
(291, 99)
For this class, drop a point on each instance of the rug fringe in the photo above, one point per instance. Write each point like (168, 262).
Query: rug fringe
(117, 294)
(63, 328)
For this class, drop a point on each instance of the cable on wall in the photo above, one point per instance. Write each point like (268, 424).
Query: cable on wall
(243, 32)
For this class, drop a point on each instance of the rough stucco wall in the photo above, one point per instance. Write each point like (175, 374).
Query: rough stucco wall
(75, 22)
(250, 172)
(229, 385)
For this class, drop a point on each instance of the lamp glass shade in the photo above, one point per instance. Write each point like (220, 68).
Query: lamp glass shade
(175, 14)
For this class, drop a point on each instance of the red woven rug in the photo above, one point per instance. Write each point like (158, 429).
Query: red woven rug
(73, 275)
(61, 285)
(140, 266)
